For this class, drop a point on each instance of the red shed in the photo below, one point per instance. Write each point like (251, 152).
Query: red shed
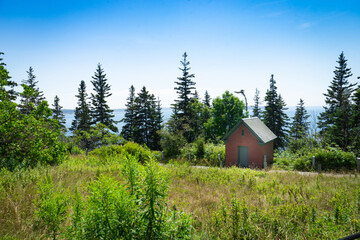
(249, 143)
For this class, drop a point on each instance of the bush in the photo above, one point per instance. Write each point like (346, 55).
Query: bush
(209, 153)
(130, 148)
(171, 143)
(330, 159)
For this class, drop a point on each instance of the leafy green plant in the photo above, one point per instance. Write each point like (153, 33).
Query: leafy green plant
(52, 207)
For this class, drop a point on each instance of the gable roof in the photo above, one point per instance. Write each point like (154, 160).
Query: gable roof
(256, 127)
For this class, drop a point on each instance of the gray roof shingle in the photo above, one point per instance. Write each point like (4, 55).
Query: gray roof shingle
(257, 127)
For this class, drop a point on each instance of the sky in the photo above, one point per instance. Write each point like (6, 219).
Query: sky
(231, 45)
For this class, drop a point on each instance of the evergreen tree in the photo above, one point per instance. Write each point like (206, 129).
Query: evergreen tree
(300, 124)
(6, 85)
(355, 122)
(129, 118)
(207, 99)
(196, 95)
(182, 108)
(256, 109)
(31, 97)
(274, 115)
(100, 110)
(82, 118)
(184, 88)
(334, 122)
(58, 114)
(148, 120)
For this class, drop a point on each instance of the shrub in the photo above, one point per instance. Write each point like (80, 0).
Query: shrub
(209, 155)
(171, 143)
(330, 159)
(130, 148)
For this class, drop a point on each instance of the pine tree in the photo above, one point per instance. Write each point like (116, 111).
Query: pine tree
(256, 109)
(334, 122)
(184, 88)
(58, 113)
(100, 110)
(6, 85)
(148, 120)
(207, 99)
(274, 115)
(32, 96)
(182, 109)
(300, 124)
(355, 122)
(129, 118)
(82, 118)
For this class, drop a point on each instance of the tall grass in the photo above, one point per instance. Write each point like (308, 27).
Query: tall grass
(118, 197)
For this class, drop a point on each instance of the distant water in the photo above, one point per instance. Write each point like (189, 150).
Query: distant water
(313, 111)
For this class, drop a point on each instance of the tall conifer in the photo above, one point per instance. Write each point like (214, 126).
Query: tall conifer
(58, 113)
(184, 88)
(6, 85)
(148, 120)
(256, 108)
(82, 119)
(129, 117)
(274, 115)
(32, 96)
(100, 110)
(334, 122)
(300, 125)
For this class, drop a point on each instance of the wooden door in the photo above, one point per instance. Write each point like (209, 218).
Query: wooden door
(243, 156)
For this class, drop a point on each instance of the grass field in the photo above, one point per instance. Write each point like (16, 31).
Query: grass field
(227, 203)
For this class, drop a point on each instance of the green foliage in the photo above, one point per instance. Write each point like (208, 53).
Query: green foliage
(52, 207)
(330, 159)
(82, 117)
(171, 143)
(204, 154)
(300, 126)
(274, 116)
(29, 140)
(133, 207)
(58, 114)
(147, 120)
(129, 118)
(100, 110)
(97, 136)
(129, 148)
(335, 121)
(256, 108)
(31, 97)
(225, 114)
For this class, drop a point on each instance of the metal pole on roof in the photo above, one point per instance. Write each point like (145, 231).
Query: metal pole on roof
(242, 91)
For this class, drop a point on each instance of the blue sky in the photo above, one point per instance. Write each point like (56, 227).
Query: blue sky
(231, 45)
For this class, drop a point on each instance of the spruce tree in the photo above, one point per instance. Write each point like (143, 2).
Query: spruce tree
(355, 122)
(184, 88)
(182, 109)
(274, 115)
(129, 118)
(334, 122)
(82, 118)
(300, 125)
(58, 114)
(207, 99)
(100, 110)
(32, 96)
(256, 108)
(6, 85)
(148, 120)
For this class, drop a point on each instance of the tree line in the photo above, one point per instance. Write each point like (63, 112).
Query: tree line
(24, 123)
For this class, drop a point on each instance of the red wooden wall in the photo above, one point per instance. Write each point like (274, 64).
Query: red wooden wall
(256, 150)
